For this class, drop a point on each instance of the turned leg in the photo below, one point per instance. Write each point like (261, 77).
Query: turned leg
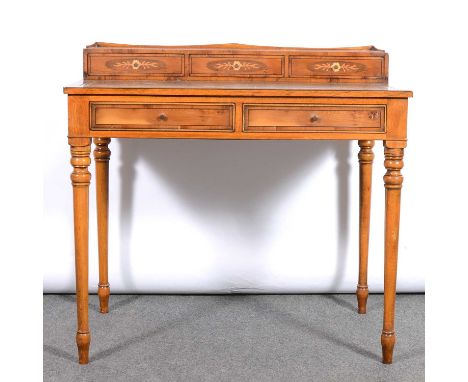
(393, 182)
(80, 177)
(366, 156)
(101, 157)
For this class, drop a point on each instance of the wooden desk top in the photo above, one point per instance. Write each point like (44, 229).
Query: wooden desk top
(238, 88)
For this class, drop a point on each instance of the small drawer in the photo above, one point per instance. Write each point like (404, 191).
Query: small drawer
(338, 67)
(308, 118)
(238, 66)
(162, 116)
(135, 65)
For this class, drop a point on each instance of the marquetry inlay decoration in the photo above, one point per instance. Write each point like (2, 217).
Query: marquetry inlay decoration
(135, 64)
(336, 67)
(244, 66)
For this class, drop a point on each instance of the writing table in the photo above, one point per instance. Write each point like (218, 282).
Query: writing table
(234, 91)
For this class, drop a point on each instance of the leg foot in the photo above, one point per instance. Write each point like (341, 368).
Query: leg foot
(103, 293)
(83, 340)
(388, 342)
(362, 292)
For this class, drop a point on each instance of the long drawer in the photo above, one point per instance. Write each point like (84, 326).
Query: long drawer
(162, 116)
(303, 118)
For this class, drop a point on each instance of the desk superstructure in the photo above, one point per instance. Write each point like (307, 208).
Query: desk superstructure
(235, 91)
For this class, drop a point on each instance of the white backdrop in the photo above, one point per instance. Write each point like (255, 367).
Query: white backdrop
(227, 217)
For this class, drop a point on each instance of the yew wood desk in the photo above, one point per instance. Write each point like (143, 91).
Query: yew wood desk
(235, 91)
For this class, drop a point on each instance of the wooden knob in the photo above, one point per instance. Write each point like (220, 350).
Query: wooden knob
(314, 118)
(374, 115)
(163, 117)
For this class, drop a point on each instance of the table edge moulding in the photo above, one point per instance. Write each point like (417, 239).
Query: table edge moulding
(234, 91)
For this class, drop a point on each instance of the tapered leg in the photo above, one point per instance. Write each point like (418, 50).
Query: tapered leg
(80, 177)
(393, 182)
(366, 156)
(101, 157)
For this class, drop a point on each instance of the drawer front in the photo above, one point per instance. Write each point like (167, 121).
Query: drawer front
(309, 118)
(162, 117)
(135, 65)
(353, 68)
(238, 66)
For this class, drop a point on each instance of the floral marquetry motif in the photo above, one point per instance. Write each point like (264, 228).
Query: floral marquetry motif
(336, 67)
(236, 65)
(135, 64)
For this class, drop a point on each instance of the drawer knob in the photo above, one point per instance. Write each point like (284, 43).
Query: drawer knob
(163, 117)
(314, 118)
(374, 115)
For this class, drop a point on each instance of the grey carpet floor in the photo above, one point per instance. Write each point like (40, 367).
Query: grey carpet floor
(233, 338)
